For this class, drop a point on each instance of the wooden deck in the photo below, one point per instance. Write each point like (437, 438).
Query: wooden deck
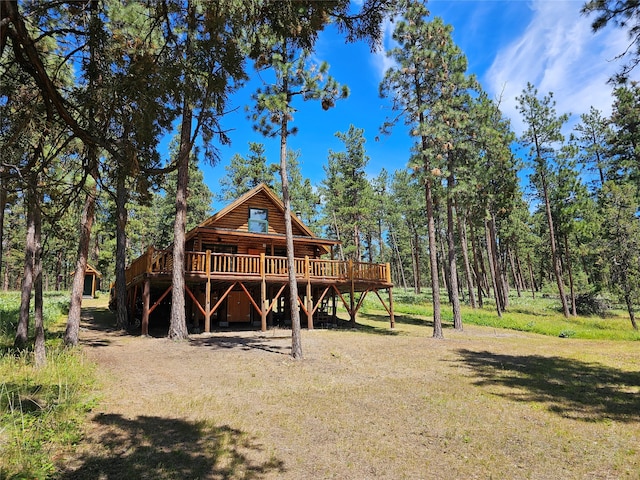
(260, 274)
(239, 267)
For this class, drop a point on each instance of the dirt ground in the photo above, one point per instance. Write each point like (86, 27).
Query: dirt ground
(363, 404)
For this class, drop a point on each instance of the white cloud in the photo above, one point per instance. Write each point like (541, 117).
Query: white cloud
(557, 53)
(381, 62)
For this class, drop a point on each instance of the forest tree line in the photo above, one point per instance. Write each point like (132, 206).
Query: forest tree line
(89, 89)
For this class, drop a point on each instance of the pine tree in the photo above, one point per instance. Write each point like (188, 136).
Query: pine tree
(245, 173)
(294, 77)
(427, 88)
(623, 14)
(542, 136)
(621, 230)
(304, 199)
(591, 136)
(347, 192)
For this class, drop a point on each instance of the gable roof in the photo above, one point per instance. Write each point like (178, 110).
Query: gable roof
(271, 196)
(88, 271)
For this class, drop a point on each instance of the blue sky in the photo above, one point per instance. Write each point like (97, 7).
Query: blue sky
(507, 44)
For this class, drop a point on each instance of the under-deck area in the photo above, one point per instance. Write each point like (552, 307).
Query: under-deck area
(242, 290)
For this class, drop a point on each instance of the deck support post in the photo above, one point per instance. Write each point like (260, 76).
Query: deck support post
(307, 274)
(392, 318)
(207, 294)
(352, 293)
(263, 295)
(146, 299)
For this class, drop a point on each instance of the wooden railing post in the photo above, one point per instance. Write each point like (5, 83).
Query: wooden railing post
(263, 294)
(148, 268)
(307, 267)
(207, 294)
(388, 272)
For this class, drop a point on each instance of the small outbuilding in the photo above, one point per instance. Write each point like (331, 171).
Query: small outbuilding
(92, 278)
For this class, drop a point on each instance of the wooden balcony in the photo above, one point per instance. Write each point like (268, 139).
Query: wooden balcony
(234, 267)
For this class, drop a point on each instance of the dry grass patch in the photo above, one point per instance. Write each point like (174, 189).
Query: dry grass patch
(363, 404)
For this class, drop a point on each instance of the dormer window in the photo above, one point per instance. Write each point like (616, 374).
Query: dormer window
(258, 220)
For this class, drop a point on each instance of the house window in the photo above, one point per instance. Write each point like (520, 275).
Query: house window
(258, 220)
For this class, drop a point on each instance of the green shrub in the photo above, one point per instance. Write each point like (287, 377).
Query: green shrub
(591, 304)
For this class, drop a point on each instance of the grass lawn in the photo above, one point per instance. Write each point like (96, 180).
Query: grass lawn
(365, 403)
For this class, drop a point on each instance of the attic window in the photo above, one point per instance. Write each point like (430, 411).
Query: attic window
(258, 220)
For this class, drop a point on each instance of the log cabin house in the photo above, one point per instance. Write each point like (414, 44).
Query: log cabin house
(236, 272)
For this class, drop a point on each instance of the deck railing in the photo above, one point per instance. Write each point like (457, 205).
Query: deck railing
(219, 264)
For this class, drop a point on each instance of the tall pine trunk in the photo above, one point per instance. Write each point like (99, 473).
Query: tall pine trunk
(572, 292)
(122, 317)
(493, 269)
(433, 257)
(3, 204)
(557, 270)
(178, 323)
(415, 256)
(22, 331)
(532, 277)
(462, 232)
(88, 212)
(296, 337)
(501, 284)
(477, 261)
(86, 223)
(39, 350)
(514, 273)
(632, 315)
(451, 251)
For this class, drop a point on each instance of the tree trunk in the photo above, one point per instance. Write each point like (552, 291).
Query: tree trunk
(296, 340)
(431, 229)
(59, 255)
(492, 269)
(498, 278)
(523, 283)
(552, 241)
(401, 266)
(22, 333)
(5, 280)
(632, 316)
(415, 261)
(572, 292)
(433, 257)
(3, 204)
(442, 259)
(514, 273)
(39, 350)
(86, 223)
(122, 317)
(476, 265)
(462, 232)
(178, 323)
(451, 248)
(383, 255)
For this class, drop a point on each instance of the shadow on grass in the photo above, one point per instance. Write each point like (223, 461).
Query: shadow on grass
(400, 320)
(99, 319)
(165, 448)
(242, 342)
(570, 388)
